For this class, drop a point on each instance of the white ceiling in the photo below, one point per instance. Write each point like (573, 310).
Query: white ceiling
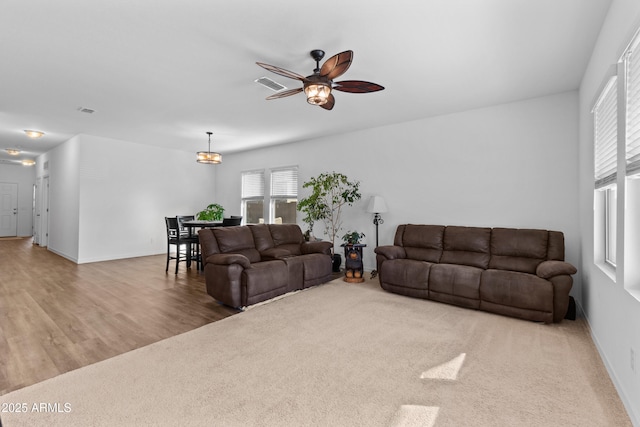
(164, 72)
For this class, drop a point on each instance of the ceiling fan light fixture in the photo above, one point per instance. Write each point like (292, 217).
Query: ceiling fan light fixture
(209, 157)
(33, 133)
(317, 92)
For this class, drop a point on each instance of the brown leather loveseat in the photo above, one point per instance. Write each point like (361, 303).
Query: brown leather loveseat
(245, 265)
(513, 272)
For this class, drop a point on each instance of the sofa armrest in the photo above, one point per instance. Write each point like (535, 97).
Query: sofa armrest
(228, 259)
(549, 269)
(391, 252)
(274, 253)
(318, 247)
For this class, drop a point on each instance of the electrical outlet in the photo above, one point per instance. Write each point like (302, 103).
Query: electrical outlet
(633, 360)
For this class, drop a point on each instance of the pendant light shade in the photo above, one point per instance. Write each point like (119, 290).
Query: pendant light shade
(317, 93)
(209, 157)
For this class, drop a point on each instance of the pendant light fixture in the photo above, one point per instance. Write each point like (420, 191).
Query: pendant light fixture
(208, 157)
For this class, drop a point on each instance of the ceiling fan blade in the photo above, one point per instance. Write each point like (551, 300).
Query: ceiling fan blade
(337, 65)
(285, 93)
(357, 86)
(330, 103)
(281, 71)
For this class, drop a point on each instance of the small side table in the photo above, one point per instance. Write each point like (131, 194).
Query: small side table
(354, 269)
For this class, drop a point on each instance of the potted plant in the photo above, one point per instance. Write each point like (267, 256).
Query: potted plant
(329, 193)
(352, 237)
(213, 212)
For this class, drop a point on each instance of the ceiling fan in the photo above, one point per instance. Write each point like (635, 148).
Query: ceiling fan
(318, 86)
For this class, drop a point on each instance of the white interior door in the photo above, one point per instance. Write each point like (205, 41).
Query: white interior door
(8, 209)
(38, 208)
(44, 213)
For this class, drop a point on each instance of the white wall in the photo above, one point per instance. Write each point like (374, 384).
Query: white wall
(614, 315)
(126, 191)
(25, 177)
(62, 170)
(510, 165)
(109, 197)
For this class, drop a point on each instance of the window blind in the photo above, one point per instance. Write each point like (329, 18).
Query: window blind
(284, 183)
(252, 184)
(606, 135)
(632, 144)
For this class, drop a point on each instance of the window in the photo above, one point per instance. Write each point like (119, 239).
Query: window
(631, 195)
(253, 197)
(284, 195)
(632, 144)
(606, 143)
(279, 205)
(610, 229)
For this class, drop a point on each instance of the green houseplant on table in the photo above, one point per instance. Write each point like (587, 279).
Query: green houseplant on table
(330, 192)
(213, 212)
(352, 237)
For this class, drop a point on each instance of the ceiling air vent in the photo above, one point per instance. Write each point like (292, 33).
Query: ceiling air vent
(273, 85)
(86, 110)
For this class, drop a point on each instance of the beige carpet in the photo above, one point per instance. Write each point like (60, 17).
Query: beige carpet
(340, 355)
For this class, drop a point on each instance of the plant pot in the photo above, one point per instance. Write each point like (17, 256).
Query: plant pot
(337, 261)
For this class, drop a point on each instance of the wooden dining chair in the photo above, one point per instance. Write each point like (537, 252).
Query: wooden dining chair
(189, 236)
(233, 221)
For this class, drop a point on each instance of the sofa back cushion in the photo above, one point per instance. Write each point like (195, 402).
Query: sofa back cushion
(208, 242)
(555, 251)
(287, 236)
(237, 240)
(467, 246)
(421, 242)
(520, 249)
(262, 237)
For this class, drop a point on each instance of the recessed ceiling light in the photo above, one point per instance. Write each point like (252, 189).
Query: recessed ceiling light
(13, 151)
(28, 162)
(33, 133)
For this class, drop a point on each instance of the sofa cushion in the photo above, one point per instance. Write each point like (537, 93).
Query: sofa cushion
(407, 273)
(264, 280)
(458, 280)
(261, 237)
(515, 289)
(423, 242)
(237, 240)
(518, 249)
(555, 250)
(467, 246)
(287, 236)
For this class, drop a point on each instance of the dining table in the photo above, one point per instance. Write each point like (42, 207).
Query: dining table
(196, 223)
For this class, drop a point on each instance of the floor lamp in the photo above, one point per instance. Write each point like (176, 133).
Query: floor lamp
(376, 206)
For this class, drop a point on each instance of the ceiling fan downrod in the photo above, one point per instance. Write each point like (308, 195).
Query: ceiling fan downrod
(317, 56)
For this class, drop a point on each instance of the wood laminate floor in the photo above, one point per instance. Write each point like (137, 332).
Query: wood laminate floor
(56, 316)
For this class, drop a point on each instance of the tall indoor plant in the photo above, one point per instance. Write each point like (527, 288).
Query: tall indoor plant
(330, 192)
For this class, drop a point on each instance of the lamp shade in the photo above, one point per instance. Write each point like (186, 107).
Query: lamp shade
(209, 157)
(376, 205)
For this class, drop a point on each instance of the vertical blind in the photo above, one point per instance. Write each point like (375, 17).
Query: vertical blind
(284, 183)
(253, 184)
(633, 108)
(606, 135)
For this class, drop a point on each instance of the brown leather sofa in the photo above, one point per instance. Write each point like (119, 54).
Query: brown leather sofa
(513, 272)
(245, 265)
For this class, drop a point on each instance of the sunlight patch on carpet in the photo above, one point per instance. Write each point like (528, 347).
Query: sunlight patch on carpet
(446, 371)
(415, 415)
